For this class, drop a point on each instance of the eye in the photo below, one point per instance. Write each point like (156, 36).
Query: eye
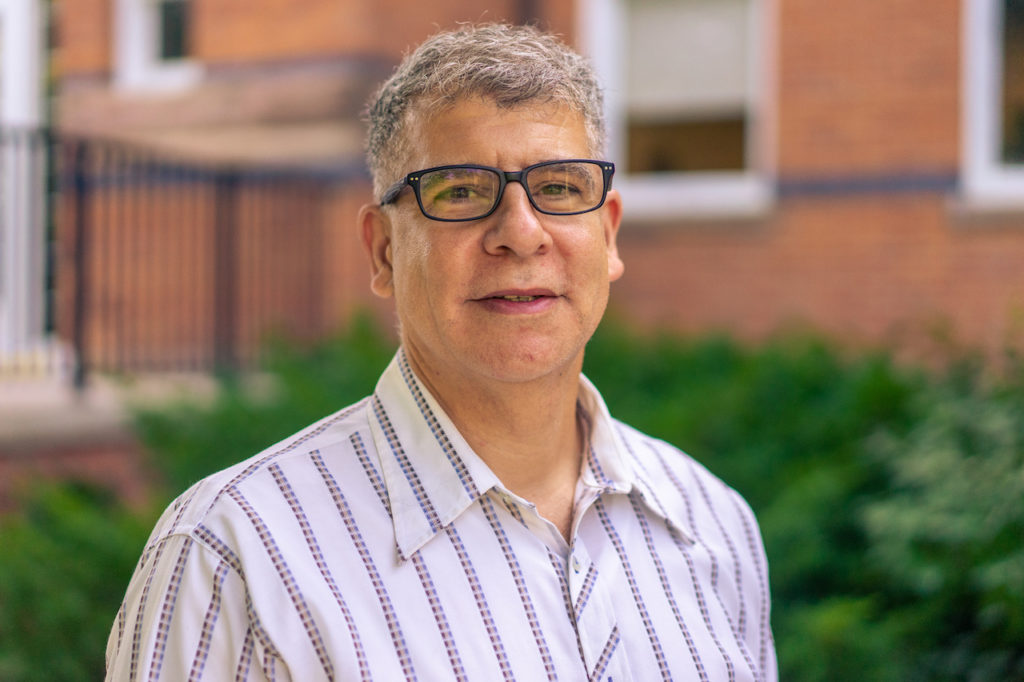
(458, 186)
(458, 193)
(557, 189)
(560, 186)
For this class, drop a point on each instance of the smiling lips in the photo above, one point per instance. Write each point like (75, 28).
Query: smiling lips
(518, 298)
(519, 295)
(534, 300)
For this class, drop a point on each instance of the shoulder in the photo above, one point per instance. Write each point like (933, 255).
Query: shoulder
(217, 495)
(661, 466)
(717, 523)
(656, 456)
(693, 495)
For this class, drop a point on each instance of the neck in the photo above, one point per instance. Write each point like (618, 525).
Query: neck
(526, 432)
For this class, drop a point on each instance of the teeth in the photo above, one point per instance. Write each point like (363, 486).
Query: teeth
(519, 298)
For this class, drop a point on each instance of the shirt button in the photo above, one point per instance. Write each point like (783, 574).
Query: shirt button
(575, 564)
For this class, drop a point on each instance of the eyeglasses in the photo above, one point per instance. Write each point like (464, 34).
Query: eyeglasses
(470, 192)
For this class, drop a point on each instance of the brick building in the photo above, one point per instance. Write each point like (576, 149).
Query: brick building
(854, 167)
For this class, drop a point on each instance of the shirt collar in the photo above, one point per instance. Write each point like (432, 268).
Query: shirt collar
(432, 475)
(430, 472)
(614, 463)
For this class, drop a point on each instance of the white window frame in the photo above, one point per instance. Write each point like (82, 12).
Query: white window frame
(138, 66)
(659, 196)
(22, 234)
(988, 184)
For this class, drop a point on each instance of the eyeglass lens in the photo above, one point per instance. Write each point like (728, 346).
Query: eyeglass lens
(467, 193)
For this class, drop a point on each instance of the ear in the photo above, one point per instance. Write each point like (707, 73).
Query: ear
(612, 212)
(375, 229)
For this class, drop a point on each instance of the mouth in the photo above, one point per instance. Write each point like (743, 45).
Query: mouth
(518, 296)
(519, 301)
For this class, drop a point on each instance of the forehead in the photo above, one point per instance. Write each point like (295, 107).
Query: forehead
(477, 130)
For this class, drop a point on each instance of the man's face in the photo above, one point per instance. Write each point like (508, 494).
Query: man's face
(511, 297)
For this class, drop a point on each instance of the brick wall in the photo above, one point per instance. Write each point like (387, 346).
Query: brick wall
(868, 239)
(868, 86)
(285, 80)
(233, 30)
(869, 270)
(241, 31)
(117, 465)
(83, 32)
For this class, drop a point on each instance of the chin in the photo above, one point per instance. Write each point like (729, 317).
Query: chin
(522, 364)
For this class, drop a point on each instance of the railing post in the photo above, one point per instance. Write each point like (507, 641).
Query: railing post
(225, 351)
(80, 211)
(527, 11)
(51, 208)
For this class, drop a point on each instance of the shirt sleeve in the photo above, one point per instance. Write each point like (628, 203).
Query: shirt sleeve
(760, 641)
(186, 616)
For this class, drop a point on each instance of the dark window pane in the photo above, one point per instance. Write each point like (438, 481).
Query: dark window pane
(173, 17)
(1013, 81)
(688, 145)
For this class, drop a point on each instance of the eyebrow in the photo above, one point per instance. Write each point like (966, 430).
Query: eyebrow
(578, 172)
(436, 177)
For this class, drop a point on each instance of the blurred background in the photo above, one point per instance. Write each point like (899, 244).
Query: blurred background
(823, 299)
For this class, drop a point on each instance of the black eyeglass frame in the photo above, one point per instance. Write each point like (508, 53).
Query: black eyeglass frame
(504, 177)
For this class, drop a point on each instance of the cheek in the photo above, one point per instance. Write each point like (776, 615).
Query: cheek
(411, 258)
(589, 254)
(427, 278)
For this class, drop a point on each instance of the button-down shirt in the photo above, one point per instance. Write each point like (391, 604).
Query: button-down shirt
(377, 545)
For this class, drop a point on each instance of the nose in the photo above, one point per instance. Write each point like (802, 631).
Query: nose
(516, 227)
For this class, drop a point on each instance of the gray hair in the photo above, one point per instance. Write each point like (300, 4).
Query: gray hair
(509, 65)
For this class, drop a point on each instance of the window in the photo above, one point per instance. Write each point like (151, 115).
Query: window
(1012, 95)
(172, 29)
(993, 137)
(685, 84)
(154, 50)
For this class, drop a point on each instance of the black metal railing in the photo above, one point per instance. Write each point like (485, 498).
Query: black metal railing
(166, 264)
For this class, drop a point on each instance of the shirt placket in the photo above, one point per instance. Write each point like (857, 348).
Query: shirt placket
(592, 607)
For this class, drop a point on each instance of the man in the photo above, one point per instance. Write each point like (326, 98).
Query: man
(480, 516)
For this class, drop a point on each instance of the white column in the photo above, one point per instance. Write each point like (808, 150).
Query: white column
(22, 229)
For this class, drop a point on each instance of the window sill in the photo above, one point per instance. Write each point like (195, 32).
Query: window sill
(163, 77)
(694, 195)
(994, 192)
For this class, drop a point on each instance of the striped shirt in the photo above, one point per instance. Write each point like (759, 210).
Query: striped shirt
(376, 545)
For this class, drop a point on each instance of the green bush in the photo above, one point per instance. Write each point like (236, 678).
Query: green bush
(890, 499)
(68, 552)
(189, 440)
(66, 560)
(949, 535)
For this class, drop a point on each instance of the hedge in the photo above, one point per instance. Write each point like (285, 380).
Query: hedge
(890, 498)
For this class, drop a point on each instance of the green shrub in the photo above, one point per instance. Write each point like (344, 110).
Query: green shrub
(890, 500)
(189, 441)
(949, 535)
(67, 556)
(68, 552)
